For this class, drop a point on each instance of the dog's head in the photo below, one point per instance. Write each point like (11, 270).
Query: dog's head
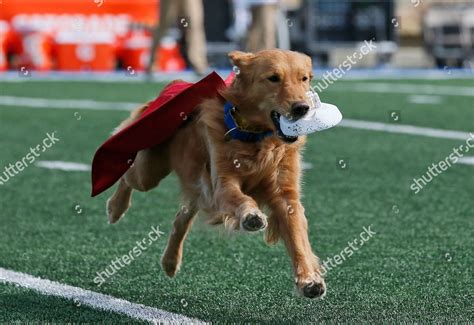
(270, 83)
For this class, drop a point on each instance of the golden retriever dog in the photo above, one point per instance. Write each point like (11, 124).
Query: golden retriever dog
(233, 181)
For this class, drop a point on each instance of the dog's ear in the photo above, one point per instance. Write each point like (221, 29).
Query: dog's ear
(241, 59)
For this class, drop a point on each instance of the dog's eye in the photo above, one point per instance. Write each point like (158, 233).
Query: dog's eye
(305, 78)
(274, 78)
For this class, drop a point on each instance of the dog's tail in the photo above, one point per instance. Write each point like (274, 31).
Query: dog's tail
(136, 113)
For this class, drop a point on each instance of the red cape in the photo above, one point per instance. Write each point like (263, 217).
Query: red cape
(156, 124)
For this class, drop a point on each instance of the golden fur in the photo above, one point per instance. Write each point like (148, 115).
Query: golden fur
(233, 181)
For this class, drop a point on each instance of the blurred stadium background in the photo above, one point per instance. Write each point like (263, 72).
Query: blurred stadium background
(77, 67)
(108, 35)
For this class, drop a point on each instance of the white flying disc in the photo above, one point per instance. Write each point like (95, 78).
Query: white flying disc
(320, 116)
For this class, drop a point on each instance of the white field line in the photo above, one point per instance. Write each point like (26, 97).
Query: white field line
(63, 165)
(356, 124)
(94, 299)
(405, 129)
(306, 165)
(399, 88)
(79, 167)
(425, 99)
(65, 103)
(466, 160)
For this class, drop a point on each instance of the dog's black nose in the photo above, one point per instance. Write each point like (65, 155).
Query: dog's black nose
(299, 109)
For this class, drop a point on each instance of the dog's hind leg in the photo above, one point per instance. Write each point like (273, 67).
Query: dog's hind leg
(119, 202)
(173, 254)
(148, 169)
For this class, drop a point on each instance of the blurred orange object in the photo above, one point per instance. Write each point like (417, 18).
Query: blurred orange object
(35, 51)
(81, 52)
(4, 30)
(169, 56)
(134, 53)
(144, 11)
(135, 50)
(35, 23)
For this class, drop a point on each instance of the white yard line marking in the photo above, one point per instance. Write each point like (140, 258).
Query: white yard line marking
(93, 299)
(466, 160)
(65, 103)
(425, 99)
(306, 165)
(357, 124)
(63, 165)
(79, 167)
(405, 129)
(101, 77)
(399, 88)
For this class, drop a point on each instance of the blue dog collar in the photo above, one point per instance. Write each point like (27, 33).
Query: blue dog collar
(235, 132)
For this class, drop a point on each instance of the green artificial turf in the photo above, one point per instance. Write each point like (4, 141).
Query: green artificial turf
(417, 268)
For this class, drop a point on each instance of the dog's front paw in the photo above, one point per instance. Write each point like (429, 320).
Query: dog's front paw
(170, 265)
(314, 288)
(254, 221)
